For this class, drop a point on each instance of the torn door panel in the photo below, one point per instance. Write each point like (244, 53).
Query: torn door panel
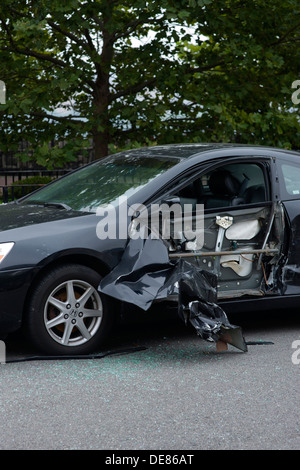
(198, 305)
(145, 274)
(244, 250)
(241, 255)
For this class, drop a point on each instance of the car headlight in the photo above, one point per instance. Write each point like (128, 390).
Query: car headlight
(5, 249)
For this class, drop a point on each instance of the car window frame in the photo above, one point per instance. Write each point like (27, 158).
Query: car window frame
(204, 167)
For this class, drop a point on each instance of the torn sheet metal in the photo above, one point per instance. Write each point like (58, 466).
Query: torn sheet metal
(145, 274)
(198, 305)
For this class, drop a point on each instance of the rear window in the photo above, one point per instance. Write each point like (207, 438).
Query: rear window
(291, 178)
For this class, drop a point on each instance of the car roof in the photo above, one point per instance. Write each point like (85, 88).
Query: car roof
(185, 151)
(189, 155)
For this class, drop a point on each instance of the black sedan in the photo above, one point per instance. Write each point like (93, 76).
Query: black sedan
(52, 257)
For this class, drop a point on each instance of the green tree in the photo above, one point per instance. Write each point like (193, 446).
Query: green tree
(247, 96)
(92, 59)
(132, 73)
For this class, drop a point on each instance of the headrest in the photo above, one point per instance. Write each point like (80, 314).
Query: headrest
(223, 183)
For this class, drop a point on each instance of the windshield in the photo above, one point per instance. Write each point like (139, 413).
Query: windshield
(103, 182)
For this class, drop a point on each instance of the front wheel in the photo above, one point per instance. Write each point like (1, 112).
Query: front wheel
(66, 314)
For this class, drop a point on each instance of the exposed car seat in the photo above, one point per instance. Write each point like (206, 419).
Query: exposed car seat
(225, 190)
(255, 194)
(187, 196)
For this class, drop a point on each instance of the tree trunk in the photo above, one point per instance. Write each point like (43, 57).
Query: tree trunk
(100, 141)
(101, 130)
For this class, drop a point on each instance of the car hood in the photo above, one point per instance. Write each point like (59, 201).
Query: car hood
(41, 233)
(14, 216)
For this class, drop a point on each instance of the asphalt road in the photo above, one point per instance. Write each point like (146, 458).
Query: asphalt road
(177, 394)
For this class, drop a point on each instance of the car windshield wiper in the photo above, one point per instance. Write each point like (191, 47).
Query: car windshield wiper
(59, 205)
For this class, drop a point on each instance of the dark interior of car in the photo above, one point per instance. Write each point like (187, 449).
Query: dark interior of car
(230, 185)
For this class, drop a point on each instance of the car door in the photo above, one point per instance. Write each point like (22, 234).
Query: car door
(243, 225)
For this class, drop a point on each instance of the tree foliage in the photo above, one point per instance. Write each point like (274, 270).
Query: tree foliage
(132, 73)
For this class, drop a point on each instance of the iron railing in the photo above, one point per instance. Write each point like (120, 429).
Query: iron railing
(11, 187)
(11, 176)
(11, 192)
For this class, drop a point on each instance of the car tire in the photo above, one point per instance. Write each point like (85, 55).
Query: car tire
(66, 314)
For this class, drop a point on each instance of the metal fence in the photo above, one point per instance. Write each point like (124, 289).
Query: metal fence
(9, 190)
(8, 177)
(13, 170)
(12, 160)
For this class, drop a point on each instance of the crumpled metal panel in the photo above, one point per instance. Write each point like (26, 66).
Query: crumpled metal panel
(145, 274)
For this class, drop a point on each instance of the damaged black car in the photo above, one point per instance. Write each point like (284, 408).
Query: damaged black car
(62, 280)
